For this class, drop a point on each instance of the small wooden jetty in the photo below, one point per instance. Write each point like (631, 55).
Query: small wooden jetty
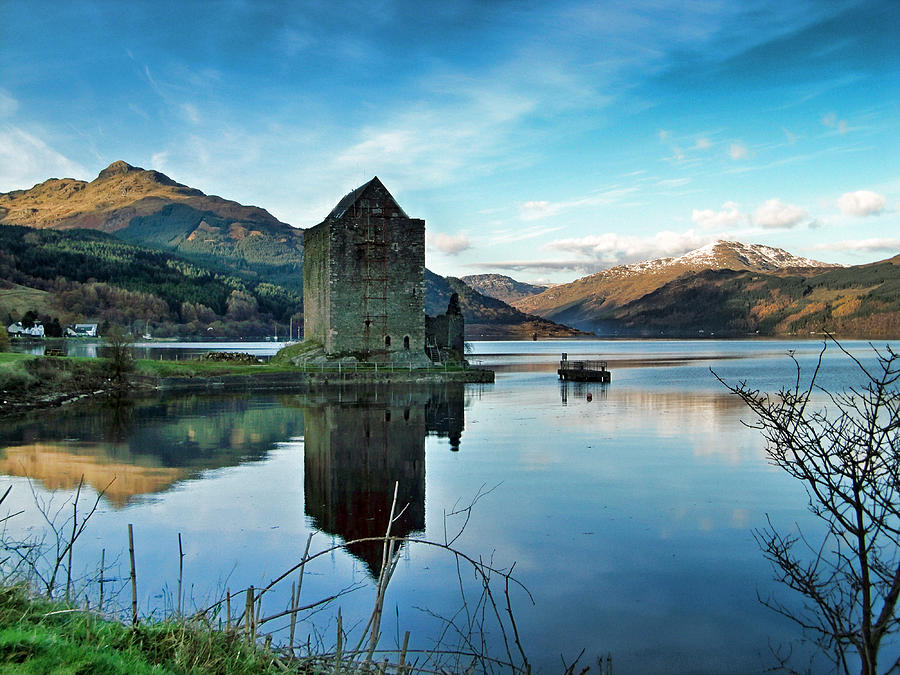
(583, 371)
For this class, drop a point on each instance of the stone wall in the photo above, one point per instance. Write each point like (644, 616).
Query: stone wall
(316, 284)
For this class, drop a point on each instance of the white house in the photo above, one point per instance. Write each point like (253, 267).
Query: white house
(82, 330)
(37, 330)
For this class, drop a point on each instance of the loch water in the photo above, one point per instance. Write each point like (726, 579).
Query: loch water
(627, 508)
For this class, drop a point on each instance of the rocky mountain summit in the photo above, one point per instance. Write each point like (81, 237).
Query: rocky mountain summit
(147, 207)
(502, 287)
(120, 193)
(602, 292)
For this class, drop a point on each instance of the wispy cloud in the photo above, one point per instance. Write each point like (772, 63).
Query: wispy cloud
(537, 209)
(580, 267)
(891, 245)
(861, 203)
(26, 160)
(427, 144)
(8, 104)
(190, 112)
(673, 182)
(520, 234)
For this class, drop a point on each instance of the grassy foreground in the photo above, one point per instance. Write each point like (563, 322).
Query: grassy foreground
(41, 637)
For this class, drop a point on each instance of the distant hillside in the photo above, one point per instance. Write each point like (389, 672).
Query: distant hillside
(859, 301)
(485, 316)
(593, 302)
(150, 208)
(502, 287)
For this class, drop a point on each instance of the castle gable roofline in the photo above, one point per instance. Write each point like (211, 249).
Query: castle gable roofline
(354, 196)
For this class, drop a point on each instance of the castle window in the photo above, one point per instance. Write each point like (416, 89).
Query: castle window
(387, 340)
(406, 342)
(387, 415)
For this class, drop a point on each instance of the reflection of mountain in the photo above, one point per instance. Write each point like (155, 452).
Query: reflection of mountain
(359, 447)
(147, 446)
(59, 466)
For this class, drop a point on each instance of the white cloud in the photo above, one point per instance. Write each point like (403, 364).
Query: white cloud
(611, 248)
(775, 214)
(451, 244)
(729, 215)
(892, 245)
(26, 160)
(861, 203)
(737, 151)
(703, 144)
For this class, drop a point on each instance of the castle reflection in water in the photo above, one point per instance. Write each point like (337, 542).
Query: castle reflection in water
(362, 443)
(359, 442)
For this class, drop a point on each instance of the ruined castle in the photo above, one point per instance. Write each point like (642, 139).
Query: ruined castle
(364, 283)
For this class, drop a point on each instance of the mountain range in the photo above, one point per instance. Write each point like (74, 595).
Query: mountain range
(729, 288)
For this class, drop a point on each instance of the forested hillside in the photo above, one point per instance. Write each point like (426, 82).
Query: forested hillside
(89, 275)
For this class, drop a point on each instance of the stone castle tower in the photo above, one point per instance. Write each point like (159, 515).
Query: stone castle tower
(364, 279)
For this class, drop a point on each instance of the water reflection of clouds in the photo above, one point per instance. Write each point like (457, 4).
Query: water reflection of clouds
(706, 417)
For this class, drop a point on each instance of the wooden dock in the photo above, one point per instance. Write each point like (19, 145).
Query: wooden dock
(583, 371)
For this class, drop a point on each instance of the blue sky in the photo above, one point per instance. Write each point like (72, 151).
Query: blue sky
(544, 140)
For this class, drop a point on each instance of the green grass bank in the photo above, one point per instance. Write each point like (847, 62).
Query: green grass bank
(48, 638)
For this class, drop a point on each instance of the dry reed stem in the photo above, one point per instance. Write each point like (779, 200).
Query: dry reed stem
(180, 571)
(134, 607)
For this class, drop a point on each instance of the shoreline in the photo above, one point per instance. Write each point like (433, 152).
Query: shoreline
(52, 382)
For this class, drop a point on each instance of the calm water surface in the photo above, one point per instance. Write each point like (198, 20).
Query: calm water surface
(628, 516)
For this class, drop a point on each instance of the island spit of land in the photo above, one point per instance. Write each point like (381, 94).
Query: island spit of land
(30, 382)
